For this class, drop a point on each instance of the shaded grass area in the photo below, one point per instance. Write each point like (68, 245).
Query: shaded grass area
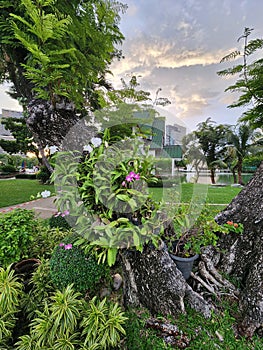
(16, 191)
(194, 331)
(187, 191)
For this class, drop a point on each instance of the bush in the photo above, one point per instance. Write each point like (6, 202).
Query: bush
(17, 229)
(45, 240)
(43, 175)
(26, 176)
(8, 168)
(69, 264)
(10, 292)
(60, 222)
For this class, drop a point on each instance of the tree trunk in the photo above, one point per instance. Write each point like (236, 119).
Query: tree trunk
(50, 124)
(152, 280)
(212, 176)
(243, 254)
(239, 171)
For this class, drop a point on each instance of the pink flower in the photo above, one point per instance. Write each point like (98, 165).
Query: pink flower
(137, 176)
(61, 244)
(129, 178)
(68, 246)
(65, 213)
(123, 183)
(132, 174)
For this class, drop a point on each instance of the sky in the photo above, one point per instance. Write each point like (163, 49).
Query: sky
(177, 45)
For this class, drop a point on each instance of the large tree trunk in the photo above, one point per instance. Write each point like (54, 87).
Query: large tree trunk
(50, 124)
(243, 256)
(151, 278)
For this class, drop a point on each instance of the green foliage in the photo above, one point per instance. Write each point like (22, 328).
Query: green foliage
(22, 135)
(43, 175)
(41, 288)
(60, 49)
(59, 221)
(45, 240)
(69, 265)
(11, 290)
(57, 321)
(111, 180)
(249, 79)
(17, 229)
(68, 322)
(102, 324)
(138, 337)
(8, 168)
(186, 238)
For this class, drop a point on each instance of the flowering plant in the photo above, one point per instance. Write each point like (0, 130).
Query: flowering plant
(234, 227)
(112, 178)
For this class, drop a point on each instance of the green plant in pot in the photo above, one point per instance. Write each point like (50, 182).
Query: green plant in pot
(185, 239)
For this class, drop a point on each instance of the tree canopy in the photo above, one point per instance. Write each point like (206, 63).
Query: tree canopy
(55, 49)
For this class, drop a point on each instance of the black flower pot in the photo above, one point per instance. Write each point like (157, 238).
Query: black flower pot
(185, 265)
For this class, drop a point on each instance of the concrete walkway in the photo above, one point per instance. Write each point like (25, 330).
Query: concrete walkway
(43, 207)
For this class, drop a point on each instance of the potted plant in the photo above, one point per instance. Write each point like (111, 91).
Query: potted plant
(185, 240)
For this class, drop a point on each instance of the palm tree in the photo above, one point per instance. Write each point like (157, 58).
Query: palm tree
(243, 140)
(213, 141)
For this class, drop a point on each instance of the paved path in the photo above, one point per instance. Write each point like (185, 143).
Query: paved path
(43, 207)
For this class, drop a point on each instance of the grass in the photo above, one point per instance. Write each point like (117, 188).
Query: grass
(212, 194)
(216, 332)
(19, 191)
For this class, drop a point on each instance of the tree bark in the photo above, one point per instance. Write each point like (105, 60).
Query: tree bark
(152, 280)
(243, 254)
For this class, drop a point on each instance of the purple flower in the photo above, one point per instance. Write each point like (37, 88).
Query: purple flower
(68, 246)
(65, 213)
(129, 178)
(132, 174)
(61, 244)
(123, 183)
(137, 176)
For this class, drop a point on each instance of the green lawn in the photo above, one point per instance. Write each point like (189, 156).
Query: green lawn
(18, 191)
(212, 194)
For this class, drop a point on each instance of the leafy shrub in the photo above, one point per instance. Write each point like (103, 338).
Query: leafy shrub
(10, 292)
(43, 175)
(8, 168)
(41, 289)
(16, 232)
(26, 176)
(102, 324)
(59, 221)
(69, 264)
(68, 322)
(45, 240)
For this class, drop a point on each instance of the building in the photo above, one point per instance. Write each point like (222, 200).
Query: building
(174, 134)
(5, 134)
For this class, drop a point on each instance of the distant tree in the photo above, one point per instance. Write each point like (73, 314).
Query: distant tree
(192, 153)
(243, 140)
(23, 137)
(212, 140)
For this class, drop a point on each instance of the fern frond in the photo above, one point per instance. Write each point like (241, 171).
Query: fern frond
(231, 56)
(253, 45)
(231, 71)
